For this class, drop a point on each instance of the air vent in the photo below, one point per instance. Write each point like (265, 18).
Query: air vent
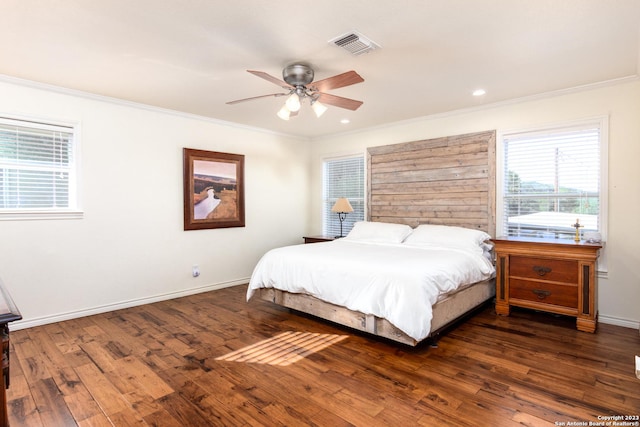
(355, 43)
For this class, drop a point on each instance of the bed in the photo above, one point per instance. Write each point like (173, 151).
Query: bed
(448, 182)
(379, 276)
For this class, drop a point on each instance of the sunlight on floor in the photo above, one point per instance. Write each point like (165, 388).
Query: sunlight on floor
(283, 349)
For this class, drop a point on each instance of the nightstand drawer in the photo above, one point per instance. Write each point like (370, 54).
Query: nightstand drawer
(542, 292)
(555, 270)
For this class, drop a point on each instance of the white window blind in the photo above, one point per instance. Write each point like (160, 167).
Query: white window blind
(342, 177)
(552, 178)
(37, 167)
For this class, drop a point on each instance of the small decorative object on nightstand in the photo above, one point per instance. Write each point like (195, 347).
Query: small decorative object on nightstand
(577, 226)
(557, 276)
(317, 239)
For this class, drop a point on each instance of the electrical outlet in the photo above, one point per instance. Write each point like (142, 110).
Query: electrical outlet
(196, 271)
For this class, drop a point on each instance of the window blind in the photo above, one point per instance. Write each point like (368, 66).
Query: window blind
(552, 179)
(342, 177)
(37, 169)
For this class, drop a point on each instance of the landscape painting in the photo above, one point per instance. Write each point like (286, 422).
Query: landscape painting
(213, 189)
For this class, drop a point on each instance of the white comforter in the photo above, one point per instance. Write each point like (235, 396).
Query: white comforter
(391, 281)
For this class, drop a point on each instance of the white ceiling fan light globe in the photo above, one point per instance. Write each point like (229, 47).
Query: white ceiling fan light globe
(284, 113)
(318, 108)
(293, 102)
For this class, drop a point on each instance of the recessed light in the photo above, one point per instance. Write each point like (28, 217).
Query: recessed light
(345, 121)
(479, 92)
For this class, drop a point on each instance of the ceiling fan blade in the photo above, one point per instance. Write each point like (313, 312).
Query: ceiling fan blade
(338, 101)
(341, 80)
(270, 78)
(237, 101)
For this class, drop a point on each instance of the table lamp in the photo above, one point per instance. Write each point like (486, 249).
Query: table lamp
(342, 207)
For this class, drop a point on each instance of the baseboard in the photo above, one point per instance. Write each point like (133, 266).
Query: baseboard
(626, 323)
(29, 323)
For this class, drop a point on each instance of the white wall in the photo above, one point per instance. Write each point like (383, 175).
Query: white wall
(130, 247)
(619, 289)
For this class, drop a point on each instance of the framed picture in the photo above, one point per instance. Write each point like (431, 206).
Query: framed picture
(213, 189)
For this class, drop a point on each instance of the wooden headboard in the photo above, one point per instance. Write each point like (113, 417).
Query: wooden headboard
(447, 181)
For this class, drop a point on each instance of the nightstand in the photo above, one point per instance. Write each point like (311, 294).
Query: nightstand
(556, 276)
(317, 239)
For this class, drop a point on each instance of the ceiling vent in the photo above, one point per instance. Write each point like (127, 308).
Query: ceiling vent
(355, 43)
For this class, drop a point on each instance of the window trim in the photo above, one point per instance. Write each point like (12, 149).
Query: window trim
(75, 212)
(603, 123)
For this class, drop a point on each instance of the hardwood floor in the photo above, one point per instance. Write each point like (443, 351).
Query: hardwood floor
(213, 359)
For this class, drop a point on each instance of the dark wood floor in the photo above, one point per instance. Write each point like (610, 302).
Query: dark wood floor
(178, 363)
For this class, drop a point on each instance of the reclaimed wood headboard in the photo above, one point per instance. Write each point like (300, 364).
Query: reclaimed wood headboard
(447, 181)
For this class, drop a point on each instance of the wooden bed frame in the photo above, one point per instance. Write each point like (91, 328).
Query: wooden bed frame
(446, 181)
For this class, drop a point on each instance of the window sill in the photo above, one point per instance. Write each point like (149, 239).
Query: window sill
(22, 215)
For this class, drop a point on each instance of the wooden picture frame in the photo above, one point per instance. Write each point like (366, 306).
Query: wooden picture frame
(213, 189)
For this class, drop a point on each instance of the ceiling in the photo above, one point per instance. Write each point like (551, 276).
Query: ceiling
(192, 55)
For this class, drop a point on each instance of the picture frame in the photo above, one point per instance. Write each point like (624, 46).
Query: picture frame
(213, 189)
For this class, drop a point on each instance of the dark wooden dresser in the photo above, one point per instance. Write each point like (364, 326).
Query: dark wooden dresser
(8, 313)
(556, 276)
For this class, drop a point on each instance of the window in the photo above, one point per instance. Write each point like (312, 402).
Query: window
(343, 177)
(38, 176)
(553, 177)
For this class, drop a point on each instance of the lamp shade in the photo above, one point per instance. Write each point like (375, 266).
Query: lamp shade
(342, 205)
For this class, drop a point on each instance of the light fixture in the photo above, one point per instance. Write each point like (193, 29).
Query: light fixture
(293, 102)
(297, 79)
(284, 113)
(318, 108)
(342, 207)
(479, 92)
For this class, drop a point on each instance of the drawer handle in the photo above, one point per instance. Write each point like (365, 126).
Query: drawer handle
(541, 270)
(541, 293)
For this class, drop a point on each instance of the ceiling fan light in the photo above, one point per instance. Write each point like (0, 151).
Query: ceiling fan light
(293, 102)
(284, 113)
(318, 108)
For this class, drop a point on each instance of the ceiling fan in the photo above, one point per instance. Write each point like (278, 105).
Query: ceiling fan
(298, 81)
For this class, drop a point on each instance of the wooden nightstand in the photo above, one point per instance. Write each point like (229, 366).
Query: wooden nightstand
(557, 276)
(317, 239)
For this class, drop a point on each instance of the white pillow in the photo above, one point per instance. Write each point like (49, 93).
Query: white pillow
(379, 232)
(449, 236)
